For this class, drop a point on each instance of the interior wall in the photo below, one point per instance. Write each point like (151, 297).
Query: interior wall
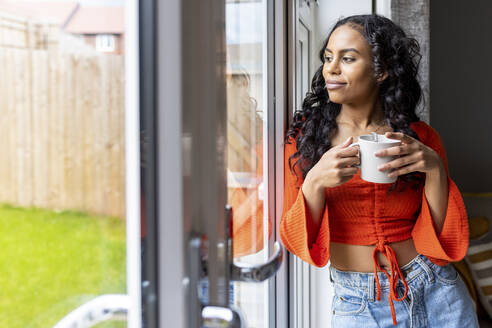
(460, 72)
(413, 17)
(329, 11)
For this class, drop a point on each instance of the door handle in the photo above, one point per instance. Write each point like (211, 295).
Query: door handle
(261, 272)
(218, 316)
(247, 272)
(210, 316)
(222, 316)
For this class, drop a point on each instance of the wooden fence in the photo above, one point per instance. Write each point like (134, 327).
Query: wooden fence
(21, 33)
(62, 130)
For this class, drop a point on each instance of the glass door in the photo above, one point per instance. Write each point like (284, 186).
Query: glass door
(214, 144)
(247, 142)
(140, 185)
(63, 213)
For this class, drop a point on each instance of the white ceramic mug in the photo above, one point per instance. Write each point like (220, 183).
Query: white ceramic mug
(368, 145)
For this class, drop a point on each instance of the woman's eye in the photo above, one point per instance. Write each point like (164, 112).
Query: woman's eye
(346, 59)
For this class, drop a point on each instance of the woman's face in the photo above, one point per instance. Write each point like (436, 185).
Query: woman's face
(347, 69)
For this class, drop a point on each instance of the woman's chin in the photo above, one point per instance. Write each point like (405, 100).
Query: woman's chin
(335, 99)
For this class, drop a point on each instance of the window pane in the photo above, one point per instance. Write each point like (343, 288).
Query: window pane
(63, 173)
(246, 118)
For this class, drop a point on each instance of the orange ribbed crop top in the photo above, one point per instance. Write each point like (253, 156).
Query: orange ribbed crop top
(364, 213)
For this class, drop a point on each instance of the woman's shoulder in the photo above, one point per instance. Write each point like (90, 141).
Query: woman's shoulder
(424, 131)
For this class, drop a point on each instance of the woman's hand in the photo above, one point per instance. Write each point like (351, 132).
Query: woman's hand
(335, 167)
(413, 156)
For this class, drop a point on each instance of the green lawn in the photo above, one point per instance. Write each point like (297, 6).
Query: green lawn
(52, 262)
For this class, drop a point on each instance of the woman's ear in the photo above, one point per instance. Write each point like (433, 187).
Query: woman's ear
(381, 77)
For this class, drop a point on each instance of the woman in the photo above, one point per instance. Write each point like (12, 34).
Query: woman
(389, 244)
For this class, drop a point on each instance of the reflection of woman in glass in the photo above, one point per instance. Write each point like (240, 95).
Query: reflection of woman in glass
(389, 244)
(245, 171)
(245, 165)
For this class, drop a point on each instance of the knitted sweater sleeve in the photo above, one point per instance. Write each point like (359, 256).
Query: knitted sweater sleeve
(296, 224)
(452, 243)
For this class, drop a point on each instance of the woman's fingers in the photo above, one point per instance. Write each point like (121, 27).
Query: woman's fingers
(399, 136)
(405, 170)
(348, 171)
(407, 146)
(349, 152)
(399, 162)
(399, 150)
(348, 161)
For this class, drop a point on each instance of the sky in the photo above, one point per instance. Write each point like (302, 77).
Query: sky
(244, 23)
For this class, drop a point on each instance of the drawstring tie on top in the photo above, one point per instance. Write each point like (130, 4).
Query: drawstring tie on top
(387, 251)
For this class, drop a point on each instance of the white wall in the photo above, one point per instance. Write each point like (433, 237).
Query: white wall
(330, 10)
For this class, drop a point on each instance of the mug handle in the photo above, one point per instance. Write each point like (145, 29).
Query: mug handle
(355, 144)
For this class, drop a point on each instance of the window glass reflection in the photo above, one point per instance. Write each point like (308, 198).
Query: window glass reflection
(246, 122)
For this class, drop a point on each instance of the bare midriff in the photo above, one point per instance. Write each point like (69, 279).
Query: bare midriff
(358, 258)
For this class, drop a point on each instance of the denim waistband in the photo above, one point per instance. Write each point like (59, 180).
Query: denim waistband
(417, 266)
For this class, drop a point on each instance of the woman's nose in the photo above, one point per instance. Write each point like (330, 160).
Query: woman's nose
(332, 67)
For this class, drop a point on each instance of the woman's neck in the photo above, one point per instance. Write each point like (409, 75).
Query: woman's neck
(361, 117)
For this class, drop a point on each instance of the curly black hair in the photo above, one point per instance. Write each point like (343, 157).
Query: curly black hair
(392, 52)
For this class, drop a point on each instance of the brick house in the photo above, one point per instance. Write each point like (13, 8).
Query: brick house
(101, 27)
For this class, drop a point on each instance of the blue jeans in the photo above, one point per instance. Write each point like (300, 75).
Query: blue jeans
(436, 297)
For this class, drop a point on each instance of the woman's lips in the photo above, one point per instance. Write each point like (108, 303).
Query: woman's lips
(333, 86)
